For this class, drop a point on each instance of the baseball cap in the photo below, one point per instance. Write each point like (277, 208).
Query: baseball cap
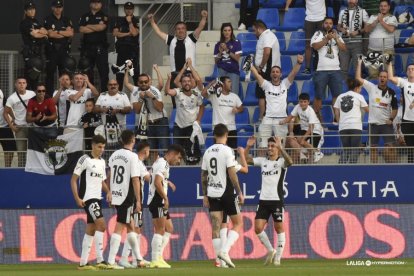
(29, 5)
(57, 3)
(128, 5)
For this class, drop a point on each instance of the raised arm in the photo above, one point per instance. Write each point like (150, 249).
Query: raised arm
(201, 25)
(296, 68)
(391, 76)
(157, 29)
(258, 77)
(196, 76)
(286, 156)
(160, 85)
(250, 143)
(358, 75)
(127, 84)
(244, 167)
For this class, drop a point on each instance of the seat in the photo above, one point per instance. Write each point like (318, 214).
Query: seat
(398, 66)
(240, 92)
(309, 88)
(209, 141)
(296, 43)
(331, 143)
(213, 75)
(255, 118)
(207, 120)
(246, 36)
(172, 120)
(282, 41)
(293, 20)
(410, 59)
(242, 138)
(364, 93)
(403, 36)
(290, 109)
(270, 16)
(274, 4)
(292, 96)
(248, 47)
(250, 99)
(365, 121)
(243, 120)
(286, 63)
(327, 114)
(301, 76)
(398, 10)
(130, 120)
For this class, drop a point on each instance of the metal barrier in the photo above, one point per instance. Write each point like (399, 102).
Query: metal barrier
(10, 62)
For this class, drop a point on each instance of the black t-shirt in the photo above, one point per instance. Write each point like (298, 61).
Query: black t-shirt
(179, 50)
(26, 27)
(123, 26)
(95, 38)
(52, 23)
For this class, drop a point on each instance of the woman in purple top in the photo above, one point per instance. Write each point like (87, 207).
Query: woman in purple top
(227, 54)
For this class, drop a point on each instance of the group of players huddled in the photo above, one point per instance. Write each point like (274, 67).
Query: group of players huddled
(123, 182)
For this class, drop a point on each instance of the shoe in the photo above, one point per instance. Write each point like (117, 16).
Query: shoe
(241, 27)
(317, 156)
(166, 265)
(217, 262)
(223, 264)
(102, 265)
(270, 256)
(87, 267)
(225, 257)
(276, 262)
(125, 264)
(142, 263)
(115, 266)
(306, 71)
(159, 264)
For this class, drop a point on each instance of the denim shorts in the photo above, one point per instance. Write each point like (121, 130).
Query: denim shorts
(333, 79)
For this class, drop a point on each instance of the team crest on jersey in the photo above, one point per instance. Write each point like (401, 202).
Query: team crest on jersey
(347, 103)
(55, 154)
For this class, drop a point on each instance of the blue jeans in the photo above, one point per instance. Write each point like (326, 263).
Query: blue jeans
(332, 79)
(235, 80)
(159, 134)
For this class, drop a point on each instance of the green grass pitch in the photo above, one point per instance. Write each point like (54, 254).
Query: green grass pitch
(244, 267)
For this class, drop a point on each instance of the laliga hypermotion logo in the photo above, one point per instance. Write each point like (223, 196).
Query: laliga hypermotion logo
(55, 154)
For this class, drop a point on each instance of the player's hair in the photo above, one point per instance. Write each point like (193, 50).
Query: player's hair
(40, 84)
(304, 97)
(276, 66)
(127, 136)
(271, 140)
(176, 148)
(259, 24)
(220, 130)
(142, 145)
(388, 2)
(144, 75)
(92, 100)
(353, 83)
(179, 23)
(382, 71)
(98, 139)
(65, 74)
(185, 76)
(20, 78)
(327, 18)
(224, 25)
(224, 78)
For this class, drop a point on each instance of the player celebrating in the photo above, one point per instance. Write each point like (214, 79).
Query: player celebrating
(218, 162)
(91, 170)
(143, 151)
(273, 169)
(125, 189)
(158, 203)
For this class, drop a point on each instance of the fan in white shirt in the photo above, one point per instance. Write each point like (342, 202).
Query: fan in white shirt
(60, 99)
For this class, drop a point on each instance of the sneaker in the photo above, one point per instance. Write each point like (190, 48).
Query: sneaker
(276, 262)
(223, 264)
(166, 265)
(159, 264)
(317, 156)
(102, 265)
(87, 267)
(225, 257)
(306, 71)
(270, 256)
(125, 264)
(241, 27)
(115, 266)
(142, 263)
(217, 262)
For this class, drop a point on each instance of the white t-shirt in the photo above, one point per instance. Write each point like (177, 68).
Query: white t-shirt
(117, 101)
(307, 117)
(315, 10)
(222, 109)
(267, 40)
(273, 176)
(92, 173)
(350, 104)
(62, 107)
(189, 48)
(124, 165)
(187, 107)
(355, 21)
(17, 106)
(77, 108)
(161, 168)
(216, 160)
(408, 94)
(276, 98)
(328, 54)
(3, 122)
(153, 113)
(379, 38)
(380, 105)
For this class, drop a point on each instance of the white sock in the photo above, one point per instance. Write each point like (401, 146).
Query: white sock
(139, 257)
(231, 239)
(217, 246)
(223, 236)
(165, 240)
(281, 239)
(156, 246)
(132, 240)
(99, 237)
(126, 251)
(86, 249)
(265, 241)
(114, 246)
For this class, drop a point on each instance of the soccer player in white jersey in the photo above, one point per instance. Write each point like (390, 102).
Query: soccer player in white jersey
(407, 91)
(219, 165)
(91, 171)
(158, 203)
(273, 170)
(125, 189)
(143, 151)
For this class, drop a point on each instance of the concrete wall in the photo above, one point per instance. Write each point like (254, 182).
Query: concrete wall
(225, 11)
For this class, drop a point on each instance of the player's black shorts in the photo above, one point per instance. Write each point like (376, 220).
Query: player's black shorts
(93, 210)
(314, 140)
(226, 218)
(158, 211)
(229, 205)
(276, 208)
(124, 213)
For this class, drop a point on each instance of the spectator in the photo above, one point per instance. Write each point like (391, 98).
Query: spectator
(310, 132)
(327, 43)
(94, 46)
(351, 24)
(348, 113)
(247, 15)
(126, 31)
(407, 125)
(383, 108)
(381, 28)
(190, 71)
(41, 111)
(15, 116)
(181, 46)
(225, 107)
(60, 33)
(89, 121)
(147, 101)
(82, 90)
(60, 99)
(7, 140)
(34, 36)
(190, 110)
(267, 56)
(275, 91)
(227, 54)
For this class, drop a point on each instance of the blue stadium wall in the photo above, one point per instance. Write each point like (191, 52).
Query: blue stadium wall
(334, 212)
